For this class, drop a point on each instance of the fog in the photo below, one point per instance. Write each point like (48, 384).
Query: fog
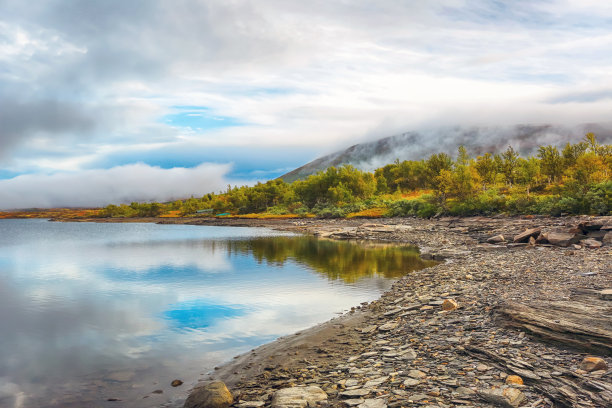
(122, 184)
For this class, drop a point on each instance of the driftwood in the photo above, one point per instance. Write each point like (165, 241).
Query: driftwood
(565, 388)
(584, 322)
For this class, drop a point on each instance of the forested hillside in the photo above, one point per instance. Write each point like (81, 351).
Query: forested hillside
(576, 179)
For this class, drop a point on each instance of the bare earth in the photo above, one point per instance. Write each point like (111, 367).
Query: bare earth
(532, 311)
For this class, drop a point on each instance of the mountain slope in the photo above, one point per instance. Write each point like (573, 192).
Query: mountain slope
(477, 140)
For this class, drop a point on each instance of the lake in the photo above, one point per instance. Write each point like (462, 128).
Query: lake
(97, 311)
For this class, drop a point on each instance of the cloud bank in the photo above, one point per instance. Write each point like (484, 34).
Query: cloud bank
(122, 184)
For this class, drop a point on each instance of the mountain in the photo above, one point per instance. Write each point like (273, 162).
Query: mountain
(477, 140)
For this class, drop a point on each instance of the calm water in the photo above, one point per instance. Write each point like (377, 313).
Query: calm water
(92, 311)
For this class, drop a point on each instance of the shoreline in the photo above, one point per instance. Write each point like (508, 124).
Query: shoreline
(405, 350)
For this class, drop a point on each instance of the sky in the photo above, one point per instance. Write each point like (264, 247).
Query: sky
(113, 101)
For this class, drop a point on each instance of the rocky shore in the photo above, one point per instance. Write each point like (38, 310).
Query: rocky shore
(498, 323)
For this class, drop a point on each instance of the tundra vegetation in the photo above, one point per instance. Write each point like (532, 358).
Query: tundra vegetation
(576, 179)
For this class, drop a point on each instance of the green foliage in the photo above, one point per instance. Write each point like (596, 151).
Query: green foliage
(576, 180)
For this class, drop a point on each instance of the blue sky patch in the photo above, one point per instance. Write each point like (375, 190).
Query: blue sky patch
(200, 314)
(199, 118)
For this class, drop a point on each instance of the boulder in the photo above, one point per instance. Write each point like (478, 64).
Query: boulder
(591, 243)
(563, 239)
(211, 395)
(589, 364)
(496, 239)
(607, 239)
(298, 397)
(524, 236)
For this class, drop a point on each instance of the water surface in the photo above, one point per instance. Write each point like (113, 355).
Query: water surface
(91, 312)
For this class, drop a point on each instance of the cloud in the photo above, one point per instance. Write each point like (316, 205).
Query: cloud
(122, 184)
(320, 75)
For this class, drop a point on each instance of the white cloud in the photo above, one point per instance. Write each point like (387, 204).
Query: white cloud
(115, 185)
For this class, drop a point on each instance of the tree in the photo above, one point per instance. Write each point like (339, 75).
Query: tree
(508, 165)
(551, 162)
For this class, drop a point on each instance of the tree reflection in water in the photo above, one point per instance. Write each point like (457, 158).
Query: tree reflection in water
(345, 260)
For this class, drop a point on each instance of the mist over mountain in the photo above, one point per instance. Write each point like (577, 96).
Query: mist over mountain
(476, 139)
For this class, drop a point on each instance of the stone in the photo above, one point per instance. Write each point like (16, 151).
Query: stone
(375, 382)
(563, 239)
(251, 404)
(589, 364)
(411, 382)
(369, 329)
(483, 367)
(591, 243)
(525, 235)
(361, 392)
(298, 397)
(449, 304)
(388, 326)
(496, 239)
(408, 354)
(465, 391)
(508, 397)
(514, 379)
(211, 395)
(416, 374)
(354, 402)
(607, 239)
(176, 383)
(373, 403)
(605, 294)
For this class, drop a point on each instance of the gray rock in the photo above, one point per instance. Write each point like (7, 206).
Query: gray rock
(298, 397)
(375, 382)
(416, 374)
(508, 397)
(563, 239)
(388, 326)
(418, 397)
(411, 382)
(373, 403)
(211, 395)
(354, 402)
(251, 404)
(465, 391)
(607, 239)
(354, 393)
